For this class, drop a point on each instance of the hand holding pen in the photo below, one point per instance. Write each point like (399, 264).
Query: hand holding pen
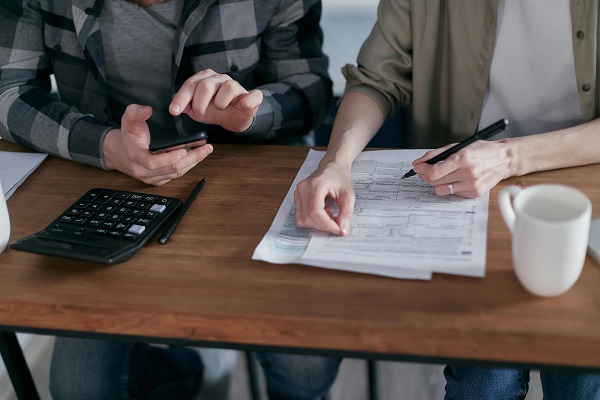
(449, 179)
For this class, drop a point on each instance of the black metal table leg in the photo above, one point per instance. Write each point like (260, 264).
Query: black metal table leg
(252, 375)
(17, 368)
(373, 380)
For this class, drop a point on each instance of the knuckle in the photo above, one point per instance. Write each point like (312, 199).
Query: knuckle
(229, 85)
(300, 221)
(301, 186)
(189, 83)
(203, 84)
(178, 169)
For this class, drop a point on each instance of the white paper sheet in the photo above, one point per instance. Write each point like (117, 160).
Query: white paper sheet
(400, 228)
(15, 167)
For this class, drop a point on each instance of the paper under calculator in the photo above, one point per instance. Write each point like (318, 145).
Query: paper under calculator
(104, 226)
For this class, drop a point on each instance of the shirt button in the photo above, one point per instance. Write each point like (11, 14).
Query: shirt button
(234, 68)
(89, 11)
(580, 35)
(58, 48)
(586, 87)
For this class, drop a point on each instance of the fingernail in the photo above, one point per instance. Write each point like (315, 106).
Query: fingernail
(344, 227)
(175, 108)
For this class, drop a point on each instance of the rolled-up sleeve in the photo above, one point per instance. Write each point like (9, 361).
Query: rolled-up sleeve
(384, 64)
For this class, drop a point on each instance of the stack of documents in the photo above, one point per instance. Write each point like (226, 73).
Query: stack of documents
(400, 228)
(15, 167)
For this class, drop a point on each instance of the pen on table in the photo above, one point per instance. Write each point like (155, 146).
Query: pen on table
(483, 134)
(172, 224)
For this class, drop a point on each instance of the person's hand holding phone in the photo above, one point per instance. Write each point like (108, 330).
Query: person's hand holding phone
(127, 150)
(213, 98)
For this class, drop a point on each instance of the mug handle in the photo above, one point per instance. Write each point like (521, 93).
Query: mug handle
(506, 207)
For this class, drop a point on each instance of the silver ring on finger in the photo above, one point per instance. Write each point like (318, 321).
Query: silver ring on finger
(451, 188)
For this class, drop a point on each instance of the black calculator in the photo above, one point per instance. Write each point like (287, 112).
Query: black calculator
(104, 226)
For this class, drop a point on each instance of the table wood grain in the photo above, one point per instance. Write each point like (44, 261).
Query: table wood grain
(203, 287)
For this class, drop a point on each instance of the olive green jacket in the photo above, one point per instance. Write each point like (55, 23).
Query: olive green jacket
(436, 56)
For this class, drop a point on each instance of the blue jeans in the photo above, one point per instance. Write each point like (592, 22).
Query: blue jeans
(466, 383)
(110, 370)
(298, 377)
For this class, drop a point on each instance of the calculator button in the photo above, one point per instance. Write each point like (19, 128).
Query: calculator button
(128, 219)
(137, 229)
(143, 206)
(143, 221)
(158, 208)
(66, 218)
(121, 227)
(91, 195)
(103, 197)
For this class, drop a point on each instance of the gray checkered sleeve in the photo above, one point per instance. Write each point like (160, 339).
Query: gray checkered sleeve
(293, 70)
(29, 114)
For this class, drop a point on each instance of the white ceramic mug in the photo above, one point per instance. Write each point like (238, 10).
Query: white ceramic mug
(4, 221)
(550, 226)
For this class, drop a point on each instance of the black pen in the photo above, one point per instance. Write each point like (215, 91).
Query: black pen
(483, 134)
(172, 224)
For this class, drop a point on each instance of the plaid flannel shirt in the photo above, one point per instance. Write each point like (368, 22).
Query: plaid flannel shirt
(272, 45)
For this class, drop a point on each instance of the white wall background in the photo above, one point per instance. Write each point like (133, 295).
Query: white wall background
(346, 24)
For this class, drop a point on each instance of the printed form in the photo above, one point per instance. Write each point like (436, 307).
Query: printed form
(400, 227)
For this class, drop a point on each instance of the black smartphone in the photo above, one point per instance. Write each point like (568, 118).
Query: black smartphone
(187, 142)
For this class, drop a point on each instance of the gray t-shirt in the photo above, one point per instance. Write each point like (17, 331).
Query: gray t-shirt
(532, 80)
(138, 46)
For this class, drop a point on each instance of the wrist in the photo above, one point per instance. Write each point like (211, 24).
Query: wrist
(109, 146)
(336, 160)
(512, 153)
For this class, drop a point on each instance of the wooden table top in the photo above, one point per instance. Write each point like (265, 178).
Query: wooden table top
(202, 287)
